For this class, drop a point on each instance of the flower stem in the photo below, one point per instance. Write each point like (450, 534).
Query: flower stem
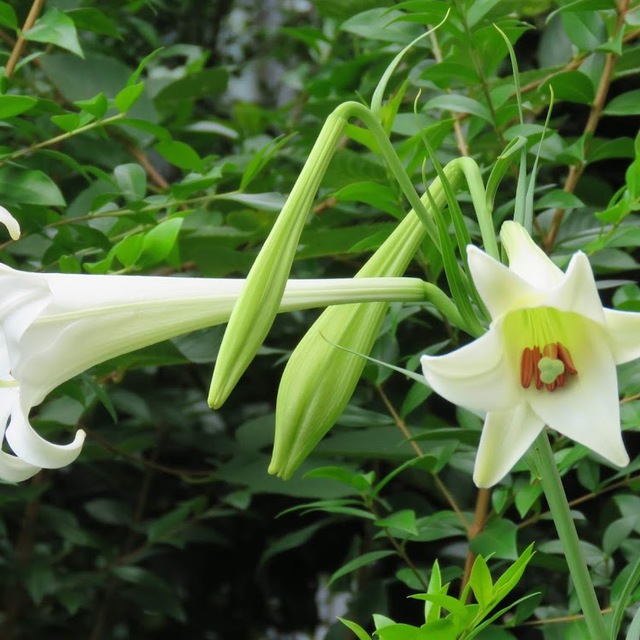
(557, 499)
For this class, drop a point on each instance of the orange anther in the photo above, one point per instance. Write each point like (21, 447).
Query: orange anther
(565, 357)
(527, 368)
(537, 356)
(550, 351)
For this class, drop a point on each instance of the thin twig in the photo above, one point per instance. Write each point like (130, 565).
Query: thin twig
(101, 624)
(480, 516)
(576, 170)
(61, 137)
(584, 498)
(402, 425)
(16, 52)
(461, 142)
(560, 619)
(148, 464)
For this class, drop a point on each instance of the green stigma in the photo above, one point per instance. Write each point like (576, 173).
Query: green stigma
(550, 369)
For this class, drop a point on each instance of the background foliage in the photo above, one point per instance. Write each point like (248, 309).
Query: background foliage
(162, 137)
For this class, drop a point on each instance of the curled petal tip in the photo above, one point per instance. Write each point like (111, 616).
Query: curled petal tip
(10, 222)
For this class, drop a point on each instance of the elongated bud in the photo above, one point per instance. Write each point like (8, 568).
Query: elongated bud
(320, 377)
(319, 380)
(259, 301)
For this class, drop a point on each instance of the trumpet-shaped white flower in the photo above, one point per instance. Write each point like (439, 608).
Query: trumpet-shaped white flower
(549, 357)
(54, 326)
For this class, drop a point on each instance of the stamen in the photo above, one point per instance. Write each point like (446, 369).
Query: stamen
(537, 356)
(527, 368)
(550, 365)
(565, 357)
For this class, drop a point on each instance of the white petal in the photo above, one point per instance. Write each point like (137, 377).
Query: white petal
(587, 408)
(578, 292)
(500, 288)
(90, 319)
(23, 296)
(623, 331)
(506, 437)
(477, 376)
(12, 468)
(34, 449)
(527, 259)
(10, 222)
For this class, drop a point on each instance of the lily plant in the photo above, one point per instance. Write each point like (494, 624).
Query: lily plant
(54, 326)
(549, 357)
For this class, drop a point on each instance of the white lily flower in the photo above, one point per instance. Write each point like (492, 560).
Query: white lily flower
(54, 326)
(549, 357)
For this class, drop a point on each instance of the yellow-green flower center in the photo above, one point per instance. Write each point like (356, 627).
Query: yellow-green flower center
(537, 340)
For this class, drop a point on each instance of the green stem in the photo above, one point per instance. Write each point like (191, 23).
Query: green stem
(557, 499)
(61, 137)
(396, 167)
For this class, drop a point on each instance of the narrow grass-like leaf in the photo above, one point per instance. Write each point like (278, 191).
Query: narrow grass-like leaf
(619, 610)
(361, 634)
(501, 166)
(376, 100)
(634, 628)
(357, 563)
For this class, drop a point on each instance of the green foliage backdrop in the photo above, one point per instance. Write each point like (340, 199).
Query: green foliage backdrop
(162, 138)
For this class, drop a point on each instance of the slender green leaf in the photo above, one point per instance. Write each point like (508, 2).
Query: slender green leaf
(359, 562)
(620, 607)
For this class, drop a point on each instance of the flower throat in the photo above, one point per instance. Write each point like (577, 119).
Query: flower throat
(539, 336)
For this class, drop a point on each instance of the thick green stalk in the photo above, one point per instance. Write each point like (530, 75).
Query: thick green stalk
(557, 499)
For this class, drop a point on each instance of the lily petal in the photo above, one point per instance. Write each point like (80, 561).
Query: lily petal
(34, 449)
(527, 259)
(587, 408)
(477, 376)
(506, 437)
(501, 289)
(12, 468)
(623, 328)
(10, 222)
(578, 292)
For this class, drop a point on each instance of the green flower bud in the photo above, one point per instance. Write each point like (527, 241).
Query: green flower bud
(259, 301)
(322, 374)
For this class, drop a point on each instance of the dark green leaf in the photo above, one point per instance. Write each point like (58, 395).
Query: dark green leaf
(24, 186)
(91, 19)
(497, 538)
(203, 84)
(8, 16)
(626, 104)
